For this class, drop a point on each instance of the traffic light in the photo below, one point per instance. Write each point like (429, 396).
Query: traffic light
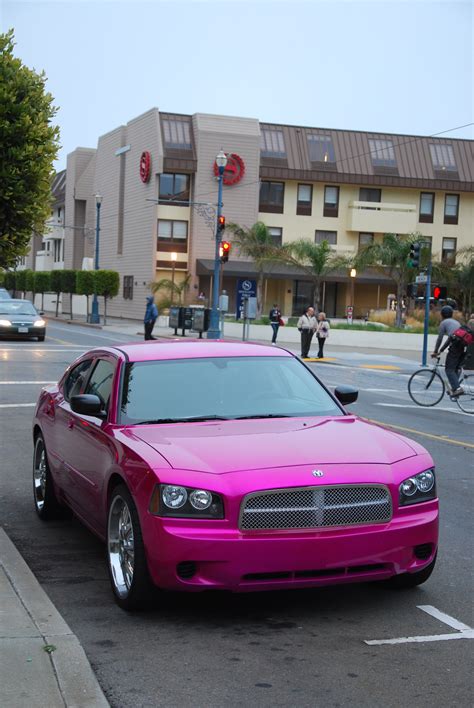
(414, 259)
(440, 293)
(220, 224)
(224, 251)
(413, 290)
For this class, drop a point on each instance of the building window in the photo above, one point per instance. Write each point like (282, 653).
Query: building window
(329, 236)
(59, 213)
(451, 208)
(321, 149)
(272, 143)
(427, 207)
(174, 187)
(365, 240)
(305, 199)
(382, 153)
(177, 134)
(366, 194)
(172, 235)
(276, 234)
(58, 250)
(448, 254)
(442, 157)
(128, 287)
(272, 196)
(331, 201)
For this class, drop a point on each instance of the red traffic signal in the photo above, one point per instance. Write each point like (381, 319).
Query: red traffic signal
(436, 292)
(440, 292)
(224, 251)
(220, 224)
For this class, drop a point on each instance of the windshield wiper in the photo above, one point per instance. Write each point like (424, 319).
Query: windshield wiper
(191, 419)
(263, 415)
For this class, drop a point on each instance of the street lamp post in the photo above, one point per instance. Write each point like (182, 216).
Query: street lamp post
(95, 318)
(174, 257)
(353, 274)
(214, 330)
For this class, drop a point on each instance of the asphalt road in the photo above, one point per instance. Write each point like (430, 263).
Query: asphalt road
(304, 648)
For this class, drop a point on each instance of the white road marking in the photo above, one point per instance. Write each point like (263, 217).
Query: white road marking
(465, 632)
(17, 405)
(426, 408)
(383, 390)
(12, 383)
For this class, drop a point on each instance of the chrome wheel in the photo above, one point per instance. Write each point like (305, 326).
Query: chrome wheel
(121, 546)
(40, 471)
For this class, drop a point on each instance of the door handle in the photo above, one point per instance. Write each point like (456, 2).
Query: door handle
(70, 424)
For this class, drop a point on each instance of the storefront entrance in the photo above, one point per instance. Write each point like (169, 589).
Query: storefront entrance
(302, 290)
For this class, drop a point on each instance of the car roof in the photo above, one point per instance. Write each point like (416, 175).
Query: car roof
(194, 349)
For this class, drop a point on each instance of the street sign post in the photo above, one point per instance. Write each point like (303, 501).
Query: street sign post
(422, 278)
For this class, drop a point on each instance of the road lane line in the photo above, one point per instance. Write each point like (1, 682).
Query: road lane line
(464, 632)
(17, 405)
(443, 617)
(427, 408)
(443, 438)
(382, 367)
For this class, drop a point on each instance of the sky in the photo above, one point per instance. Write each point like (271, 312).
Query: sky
(400, 67)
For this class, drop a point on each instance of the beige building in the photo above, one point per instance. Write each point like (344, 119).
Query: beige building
(158, 187)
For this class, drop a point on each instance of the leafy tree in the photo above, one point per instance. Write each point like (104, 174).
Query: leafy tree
(2, 279)
(42, 284)
(316, 260)
(257, 244)
(30, 283)
(85, 284)
(9, 280)
(28, 148)
(107, 284)
(458, 277)
(391, 257)
(68, 284)
(20, 281)
(166, 285)
(55, 285)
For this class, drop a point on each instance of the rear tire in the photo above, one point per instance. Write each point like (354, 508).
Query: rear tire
(128, 570)
(466, 401)
(46, 503)
(426, 387)
(405, 581)
(41, 339)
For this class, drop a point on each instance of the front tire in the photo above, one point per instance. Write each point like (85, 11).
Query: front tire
(426, 387)
(405, 581)
(466, 401)
(128, 569)
(46, 503)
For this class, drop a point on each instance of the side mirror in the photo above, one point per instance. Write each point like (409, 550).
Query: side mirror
(87, 404)
(346, 394)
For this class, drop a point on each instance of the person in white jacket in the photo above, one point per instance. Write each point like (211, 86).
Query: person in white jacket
(307, 324)
(322, 332)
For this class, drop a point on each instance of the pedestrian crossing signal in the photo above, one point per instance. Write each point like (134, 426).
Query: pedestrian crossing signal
(224, 251)
(440, 293)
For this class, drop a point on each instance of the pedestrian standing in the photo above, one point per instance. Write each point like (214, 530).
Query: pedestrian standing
(275, 317)
(307, 324)
(151, 314)
(322, 333)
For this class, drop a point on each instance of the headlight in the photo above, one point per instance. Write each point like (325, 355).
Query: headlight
(5, 323)
(39, 323)
(418, 488)
(185, 502)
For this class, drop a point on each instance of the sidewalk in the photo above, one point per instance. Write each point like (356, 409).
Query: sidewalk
(42, 664)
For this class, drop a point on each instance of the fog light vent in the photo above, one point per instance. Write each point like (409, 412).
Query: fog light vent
(423, 551)
(186, 569)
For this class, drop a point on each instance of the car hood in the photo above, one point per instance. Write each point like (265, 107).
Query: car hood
(230, 446)
(18, 317)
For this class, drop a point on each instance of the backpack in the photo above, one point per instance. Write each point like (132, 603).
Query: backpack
(463, 334)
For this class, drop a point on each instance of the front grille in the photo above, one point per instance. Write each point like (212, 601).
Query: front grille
(316, 507)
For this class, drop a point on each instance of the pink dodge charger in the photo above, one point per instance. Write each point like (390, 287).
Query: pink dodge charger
(216, 465)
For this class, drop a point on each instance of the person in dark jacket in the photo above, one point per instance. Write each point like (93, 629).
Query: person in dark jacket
(151, 314)
(454, 358)
(275, 317)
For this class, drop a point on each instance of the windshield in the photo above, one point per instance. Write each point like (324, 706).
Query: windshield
(217, 388)
(16, 308)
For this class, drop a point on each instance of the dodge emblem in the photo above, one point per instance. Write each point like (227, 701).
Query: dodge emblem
(318, 473)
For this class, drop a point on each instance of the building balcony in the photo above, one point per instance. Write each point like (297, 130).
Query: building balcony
(381, 217)
(54, 230)
(44, 260)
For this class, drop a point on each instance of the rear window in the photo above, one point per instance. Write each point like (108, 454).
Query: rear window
(235, 387)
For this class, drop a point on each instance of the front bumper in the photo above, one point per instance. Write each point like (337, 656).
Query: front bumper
(14, 332)
(212, 556)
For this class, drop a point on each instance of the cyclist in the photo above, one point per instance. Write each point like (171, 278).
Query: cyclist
(458, 343)
(446, 328)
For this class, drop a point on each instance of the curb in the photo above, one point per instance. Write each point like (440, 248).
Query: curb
(73, 322)
(76, 682)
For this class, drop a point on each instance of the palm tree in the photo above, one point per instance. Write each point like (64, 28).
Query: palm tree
(257, 244)
(316, 260)
(458, 278)
(391, 257)
(169, 287)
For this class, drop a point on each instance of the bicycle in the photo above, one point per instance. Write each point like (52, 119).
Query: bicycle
(427, 387)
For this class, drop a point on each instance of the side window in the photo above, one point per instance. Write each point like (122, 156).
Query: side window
(100, 382)
(75, 379)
